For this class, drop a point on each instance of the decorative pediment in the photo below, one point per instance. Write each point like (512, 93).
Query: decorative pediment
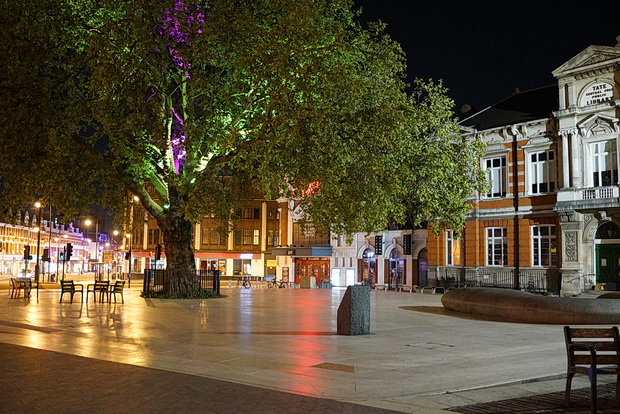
(598, 125)
(592, 58)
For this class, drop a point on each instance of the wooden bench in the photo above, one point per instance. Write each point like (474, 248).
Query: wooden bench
(592, 351)
(404, 288)
(380, 287)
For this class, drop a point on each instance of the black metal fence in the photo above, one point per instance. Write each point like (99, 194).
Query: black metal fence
(159, 280)
(531, 280)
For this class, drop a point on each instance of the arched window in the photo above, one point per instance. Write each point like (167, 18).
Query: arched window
(609, 230)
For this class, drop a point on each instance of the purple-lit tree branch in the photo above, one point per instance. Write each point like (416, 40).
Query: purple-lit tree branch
(180, 26)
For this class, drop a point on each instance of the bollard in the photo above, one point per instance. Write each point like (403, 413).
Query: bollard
(354, 311)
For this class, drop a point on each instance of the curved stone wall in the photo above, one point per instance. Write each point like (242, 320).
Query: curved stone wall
(526, 307)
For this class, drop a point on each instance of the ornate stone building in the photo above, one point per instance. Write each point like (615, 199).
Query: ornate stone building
(552, 212)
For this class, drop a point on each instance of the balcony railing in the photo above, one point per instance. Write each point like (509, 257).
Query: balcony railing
(588, 194)
(599, 193)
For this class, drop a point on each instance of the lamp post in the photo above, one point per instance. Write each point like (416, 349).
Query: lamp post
(57, 240)
(88, 222)
(64, 257)
(39, 229)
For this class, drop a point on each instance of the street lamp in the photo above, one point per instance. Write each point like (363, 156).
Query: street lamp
(88, 222)
(38, 229)
(129, 255)
(57, 240)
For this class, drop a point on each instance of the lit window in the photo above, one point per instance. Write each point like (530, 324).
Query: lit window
(496, 176)
(453, 249)
(543, 246)
(497, 246)
(604, 165)
(542, 172)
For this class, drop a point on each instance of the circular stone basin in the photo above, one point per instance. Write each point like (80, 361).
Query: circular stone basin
(527, 307)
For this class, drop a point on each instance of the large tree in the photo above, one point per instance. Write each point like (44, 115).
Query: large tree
(188, 104)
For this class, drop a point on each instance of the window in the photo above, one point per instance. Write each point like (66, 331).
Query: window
(205, 236)
(214, 237)
(242, 267)
(257, 213)
(153, 237)
(543, 246)
(604, 165)
(497, 246)
(238, 235)
(256, 237)
(496, 176)
(247, 213)
(272, 239)
(247, 236)
(542, 172)
(453, 249)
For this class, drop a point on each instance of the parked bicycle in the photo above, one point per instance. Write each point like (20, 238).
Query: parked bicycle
(244, 283)
(274, 284)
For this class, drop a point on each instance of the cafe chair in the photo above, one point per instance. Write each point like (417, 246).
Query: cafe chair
(101, 288)
(118, 287)
(68, 286)
(17, 285)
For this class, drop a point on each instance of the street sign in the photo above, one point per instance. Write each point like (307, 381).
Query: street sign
(108, 256)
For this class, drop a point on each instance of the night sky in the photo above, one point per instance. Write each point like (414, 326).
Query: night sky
(484, 49)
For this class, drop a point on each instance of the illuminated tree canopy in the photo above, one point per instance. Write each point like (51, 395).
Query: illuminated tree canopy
(189, 103)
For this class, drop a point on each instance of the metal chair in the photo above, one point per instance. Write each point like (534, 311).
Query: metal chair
(101, 287)
(17, 285)
(68, 286)
(118, 287)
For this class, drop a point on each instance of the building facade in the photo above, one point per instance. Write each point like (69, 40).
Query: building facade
(551, 213)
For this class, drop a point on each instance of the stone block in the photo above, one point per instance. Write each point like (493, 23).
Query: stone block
(307, 282)
(354, 311)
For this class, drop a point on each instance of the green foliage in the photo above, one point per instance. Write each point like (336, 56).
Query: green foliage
(280, 94)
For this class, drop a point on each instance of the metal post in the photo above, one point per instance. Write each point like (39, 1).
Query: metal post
(64, 259)
(36, 268)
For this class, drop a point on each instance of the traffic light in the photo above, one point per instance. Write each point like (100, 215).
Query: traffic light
(27, 255)
(61, 255)
(46, 254)
(127, 256)
(158, 252)
(69, 251)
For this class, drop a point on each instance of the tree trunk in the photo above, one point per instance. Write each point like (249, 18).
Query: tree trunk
(181, 267)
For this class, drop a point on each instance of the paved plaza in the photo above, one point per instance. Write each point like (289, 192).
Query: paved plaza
(268, 350)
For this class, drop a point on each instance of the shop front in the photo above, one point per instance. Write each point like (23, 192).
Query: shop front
(293, 263)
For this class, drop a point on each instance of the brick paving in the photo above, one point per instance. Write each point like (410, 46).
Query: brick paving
(40, 381)
(547, 403)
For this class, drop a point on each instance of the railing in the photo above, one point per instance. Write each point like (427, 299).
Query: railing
(531, 280)
(587, 194)
(157, 281)
(599, 193)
